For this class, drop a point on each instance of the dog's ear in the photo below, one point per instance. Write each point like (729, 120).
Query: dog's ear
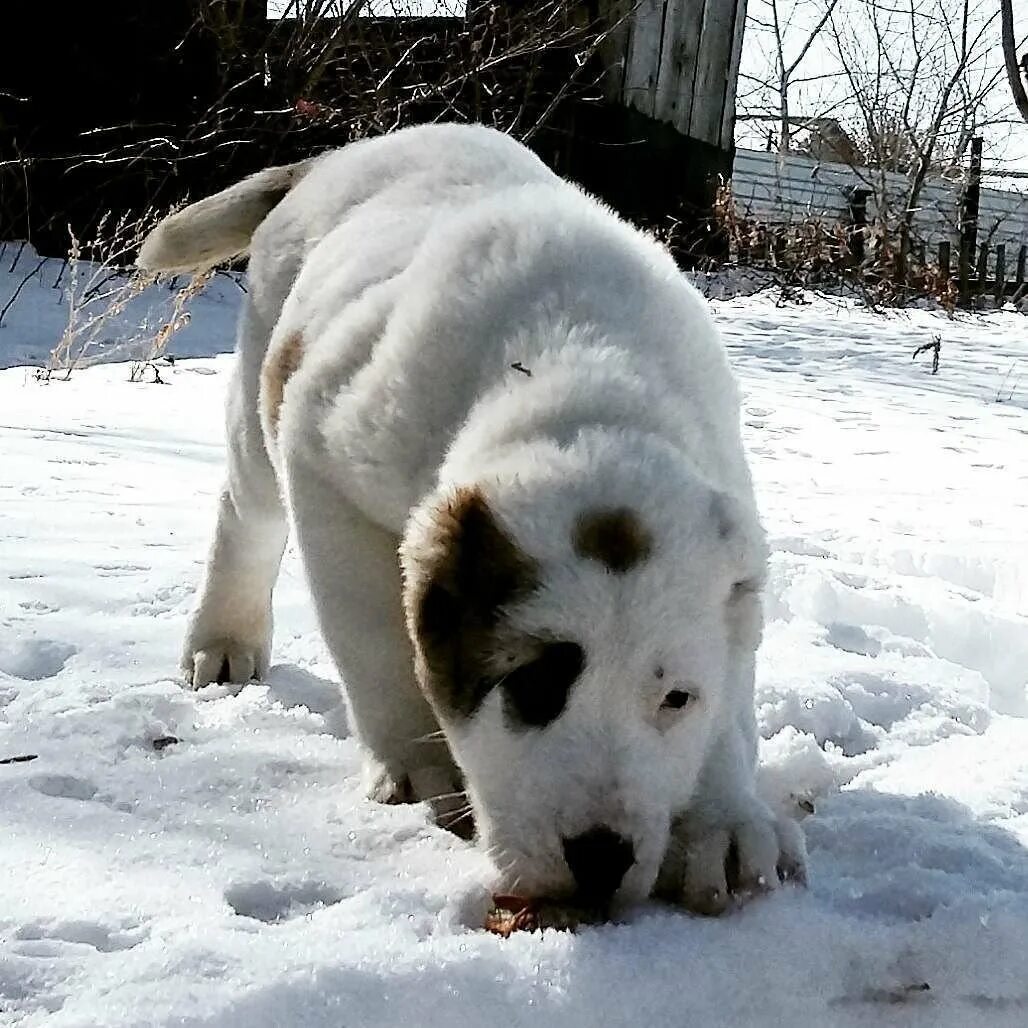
(461, 569)
(739, 529)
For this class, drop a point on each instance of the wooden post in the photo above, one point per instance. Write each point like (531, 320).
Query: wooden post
(1022, 258)
(902, 252)
(969, 219)
(944, 260)
(1001, 260)
(963, 273)
(857, 200)
(982, 271)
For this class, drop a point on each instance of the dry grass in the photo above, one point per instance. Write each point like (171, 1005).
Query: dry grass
(817, 254)
(100, 286)
(177, 317)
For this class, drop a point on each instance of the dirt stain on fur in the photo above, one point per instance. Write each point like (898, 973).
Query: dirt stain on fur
(281, 364)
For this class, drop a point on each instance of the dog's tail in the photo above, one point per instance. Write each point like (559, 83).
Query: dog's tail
(220, 227)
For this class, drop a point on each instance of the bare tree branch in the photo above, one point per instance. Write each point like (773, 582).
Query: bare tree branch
(812, 35)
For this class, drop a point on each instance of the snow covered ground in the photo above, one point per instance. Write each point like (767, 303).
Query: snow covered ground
(180, 859)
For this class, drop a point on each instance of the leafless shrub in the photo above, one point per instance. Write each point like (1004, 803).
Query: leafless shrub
(805, 252)
(821, 254)
(100, 286)
(99, 289)
(329, 71)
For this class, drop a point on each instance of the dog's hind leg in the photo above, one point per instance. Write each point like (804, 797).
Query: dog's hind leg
(229, 636)
(353, 569)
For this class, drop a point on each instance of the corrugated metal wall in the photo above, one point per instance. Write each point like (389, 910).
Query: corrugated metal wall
(781, 190)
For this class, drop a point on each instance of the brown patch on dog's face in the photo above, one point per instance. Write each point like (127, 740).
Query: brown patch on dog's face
(279, 367)
(457, 583)
(615, 538)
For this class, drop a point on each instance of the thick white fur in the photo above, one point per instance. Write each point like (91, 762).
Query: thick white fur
(418, 269)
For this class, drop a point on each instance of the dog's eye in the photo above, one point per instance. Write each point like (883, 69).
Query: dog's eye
(536, 693)
(677, 699)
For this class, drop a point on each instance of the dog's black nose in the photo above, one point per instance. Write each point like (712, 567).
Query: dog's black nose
(598, 860)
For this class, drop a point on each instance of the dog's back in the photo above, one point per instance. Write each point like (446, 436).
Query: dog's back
(379, 198)
(430, 261)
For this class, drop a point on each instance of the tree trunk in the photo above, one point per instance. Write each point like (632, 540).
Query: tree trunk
(1010, 58)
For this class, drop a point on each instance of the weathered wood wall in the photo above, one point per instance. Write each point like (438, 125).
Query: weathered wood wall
(185, 109)
(681, 63)
(663, 143)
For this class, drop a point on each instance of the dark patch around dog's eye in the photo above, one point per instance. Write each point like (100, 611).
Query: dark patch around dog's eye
(614, 537)
(536, 693)
(677, 699)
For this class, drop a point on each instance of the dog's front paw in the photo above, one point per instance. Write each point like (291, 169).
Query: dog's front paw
(441, 787)
(210, 656)
(222, 663)
(719, 862)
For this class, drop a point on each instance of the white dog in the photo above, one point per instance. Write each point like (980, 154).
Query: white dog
(508, 439)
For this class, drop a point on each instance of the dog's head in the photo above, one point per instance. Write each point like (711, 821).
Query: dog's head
(576, 623)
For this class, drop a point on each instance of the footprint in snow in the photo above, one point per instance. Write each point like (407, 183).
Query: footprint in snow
(852, 639)
(165, 600)
(275, 902)
(116, 570)
(63, 787)
(25, 987)
(103, 938)
(292, 686)
(34, 659)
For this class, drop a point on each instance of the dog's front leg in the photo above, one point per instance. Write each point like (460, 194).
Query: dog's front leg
(729, 845)
(229, 634)
(353, 569)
